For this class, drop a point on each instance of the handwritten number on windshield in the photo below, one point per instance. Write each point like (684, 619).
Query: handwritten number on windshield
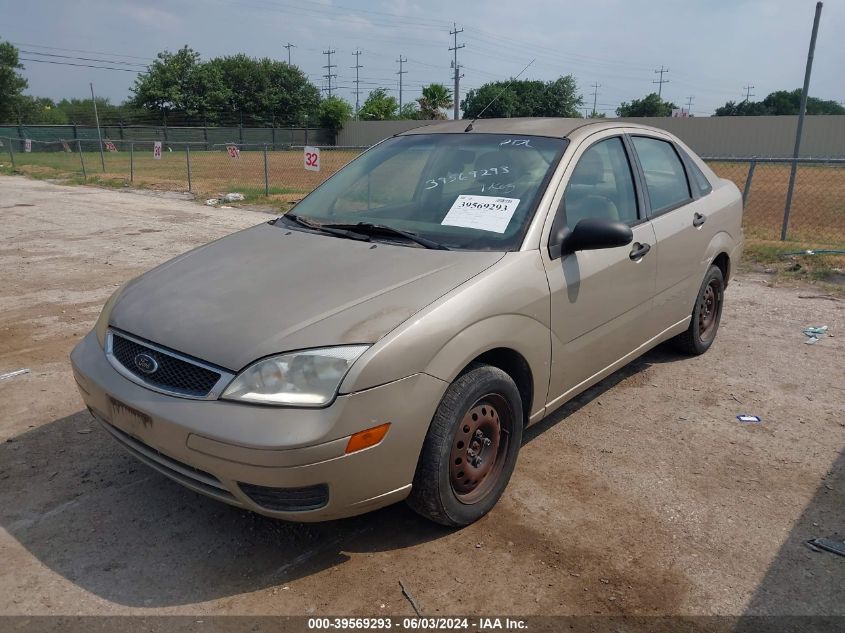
(433, 183)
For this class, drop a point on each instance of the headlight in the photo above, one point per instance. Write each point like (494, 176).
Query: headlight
(103, 320)
(309, 378)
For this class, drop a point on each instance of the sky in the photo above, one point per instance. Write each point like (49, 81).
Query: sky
(712, 49)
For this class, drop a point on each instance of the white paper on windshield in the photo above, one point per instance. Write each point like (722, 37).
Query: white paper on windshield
(485, 213)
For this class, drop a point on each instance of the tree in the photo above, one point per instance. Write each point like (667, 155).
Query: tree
(334, 111)
(410, 111)
(171, 84)
(40, 111)
(524, 98)
(650, 105)
(435, 98)
(780, 102)
(379, 106)
(232, 89)
(597, 115)
(11, 83)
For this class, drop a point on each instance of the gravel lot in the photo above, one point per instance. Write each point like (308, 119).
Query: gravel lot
(643, 496)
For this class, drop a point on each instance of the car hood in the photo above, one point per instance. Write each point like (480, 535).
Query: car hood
(268, 289)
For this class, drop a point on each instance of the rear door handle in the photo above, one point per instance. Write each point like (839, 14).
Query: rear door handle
(698, 219)
(639, 251)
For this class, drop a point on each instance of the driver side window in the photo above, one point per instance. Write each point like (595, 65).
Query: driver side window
(601, 186)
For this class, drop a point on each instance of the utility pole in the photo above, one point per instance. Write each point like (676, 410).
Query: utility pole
(748, 90)
(400, 73)
(328, 76)
(457, 67)
(801, 112)
(595, 87)
(289, 46)
(661, 81)
(99, 135)
(689, 103)
(357, 67)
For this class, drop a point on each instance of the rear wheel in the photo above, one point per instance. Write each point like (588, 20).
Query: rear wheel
(471, 448)
(706, 315)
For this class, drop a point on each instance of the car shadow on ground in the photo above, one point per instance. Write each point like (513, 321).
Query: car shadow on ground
(661, 354)
(90, 512)
(95, 515)
(803, 581)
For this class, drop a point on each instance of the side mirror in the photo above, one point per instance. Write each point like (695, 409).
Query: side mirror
(590, 234)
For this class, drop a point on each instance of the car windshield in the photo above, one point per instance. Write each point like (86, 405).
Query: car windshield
(462, 191)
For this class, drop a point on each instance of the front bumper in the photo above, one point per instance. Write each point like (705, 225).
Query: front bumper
(225, 449)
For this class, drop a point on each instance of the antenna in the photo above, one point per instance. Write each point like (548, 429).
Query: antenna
(478, 116)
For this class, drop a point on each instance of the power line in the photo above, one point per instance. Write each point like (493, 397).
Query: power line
(457, 68)
(328, 76)
(661, 81)
(689, 103)
(400, 73)
(77, 50)
(289, 46)
(48, 61)
(84, 59)
(357, 66)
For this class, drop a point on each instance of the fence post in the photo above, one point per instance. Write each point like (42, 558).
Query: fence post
(205, 136)
(81, 159)
(266, 173)
(747, 189)
(188, 158)
(132, 161)
(12, 154)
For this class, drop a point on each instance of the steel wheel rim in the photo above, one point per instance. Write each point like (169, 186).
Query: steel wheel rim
(709, 309)
(479, 448)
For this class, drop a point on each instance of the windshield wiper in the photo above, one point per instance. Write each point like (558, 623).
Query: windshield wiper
(338, 230)
(374, 229)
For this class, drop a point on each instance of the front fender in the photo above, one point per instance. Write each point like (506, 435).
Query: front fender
(524, 335)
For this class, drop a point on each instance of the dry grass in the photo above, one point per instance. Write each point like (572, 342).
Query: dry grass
(817, 217)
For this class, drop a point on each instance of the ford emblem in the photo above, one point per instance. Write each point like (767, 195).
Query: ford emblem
(146, 363)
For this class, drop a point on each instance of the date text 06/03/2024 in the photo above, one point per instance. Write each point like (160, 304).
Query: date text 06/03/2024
(417, 624)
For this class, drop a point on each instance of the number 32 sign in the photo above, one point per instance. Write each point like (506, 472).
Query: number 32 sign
(311, 157)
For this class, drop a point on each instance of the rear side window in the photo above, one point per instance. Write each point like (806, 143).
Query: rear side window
(665, 178)
(704, 186)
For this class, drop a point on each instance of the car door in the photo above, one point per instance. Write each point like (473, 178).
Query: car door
(679, 217)
(600, 299)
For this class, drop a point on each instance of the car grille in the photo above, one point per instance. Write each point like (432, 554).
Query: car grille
(287, 499)
(172, 374)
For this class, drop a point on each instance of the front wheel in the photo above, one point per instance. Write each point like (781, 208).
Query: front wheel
(706, 315)
(471, 448)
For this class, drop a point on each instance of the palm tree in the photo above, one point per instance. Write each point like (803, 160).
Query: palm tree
(435, 98)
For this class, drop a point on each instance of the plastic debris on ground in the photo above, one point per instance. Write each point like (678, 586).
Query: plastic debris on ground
(828, 544)
(748, 419)
(212, 202)
(12, 374)
(814, 334)
(233, 197)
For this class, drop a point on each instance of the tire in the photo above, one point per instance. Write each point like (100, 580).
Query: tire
(461, 474)
(706, 315)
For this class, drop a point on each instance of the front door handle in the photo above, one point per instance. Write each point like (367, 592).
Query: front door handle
(698, 219)
(639, 251)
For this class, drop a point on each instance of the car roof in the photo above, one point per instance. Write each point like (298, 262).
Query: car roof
(537, 126)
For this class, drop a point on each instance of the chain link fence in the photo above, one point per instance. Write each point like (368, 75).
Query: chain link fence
(816, 211)
(276, 175)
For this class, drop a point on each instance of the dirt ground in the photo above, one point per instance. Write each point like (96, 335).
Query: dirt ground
(643, 496)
